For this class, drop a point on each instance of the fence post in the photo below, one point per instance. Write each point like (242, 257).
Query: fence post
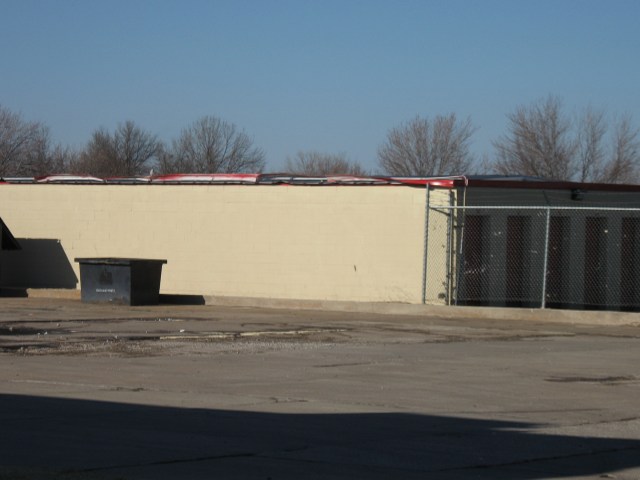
(425, 252)
(543, 301)
(450, 248)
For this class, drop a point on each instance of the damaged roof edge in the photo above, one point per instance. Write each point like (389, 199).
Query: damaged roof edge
(236, 179)
(454, 181)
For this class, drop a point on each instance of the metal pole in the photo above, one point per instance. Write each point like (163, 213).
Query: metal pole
(450, 249)
(427, 208)
(459, 255)
(545, 260)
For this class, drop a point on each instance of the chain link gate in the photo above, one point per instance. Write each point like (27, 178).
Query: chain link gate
(535, 257)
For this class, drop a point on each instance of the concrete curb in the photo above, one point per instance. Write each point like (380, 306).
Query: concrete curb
(485, 313)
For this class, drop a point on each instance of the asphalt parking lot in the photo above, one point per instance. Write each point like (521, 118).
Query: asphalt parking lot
(201, 392)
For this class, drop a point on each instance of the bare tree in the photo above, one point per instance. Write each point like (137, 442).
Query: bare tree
(23, 145)
(539, 142)
(98, 157)
(211, 145)
(424, 147)
(60, 159)
(135, 148)
(128, 152)
(590, 159)
(624, 164)
(321, 164)
(37, 156)
(545, 142)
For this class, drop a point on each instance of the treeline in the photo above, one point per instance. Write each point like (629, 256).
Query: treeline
(208, 145)
(541, 140)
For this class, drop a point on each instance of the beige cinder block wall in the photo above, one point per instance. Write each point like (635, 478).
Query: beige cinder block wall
(356, 243)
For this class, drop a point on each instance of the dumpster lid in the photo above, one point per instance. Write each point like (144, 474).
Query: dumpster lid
(7, 241)
(117, 260)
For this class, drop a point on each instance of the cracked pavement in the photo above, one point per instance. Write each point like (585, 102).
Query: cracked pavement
(113, 392)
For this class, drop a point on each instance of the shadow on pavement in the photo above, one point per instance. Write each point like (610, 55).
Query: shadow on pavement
(83, 439)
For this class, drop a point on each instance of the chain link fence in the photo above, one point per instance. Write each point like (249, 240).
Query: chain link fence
(536, 257)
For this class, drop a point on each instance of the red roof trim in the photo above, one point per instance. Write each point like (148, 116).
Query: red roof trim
(445, 182)
(336, 180)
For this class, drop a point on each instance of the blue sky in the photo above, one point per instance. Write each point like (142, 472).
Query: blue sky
(327, 75)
